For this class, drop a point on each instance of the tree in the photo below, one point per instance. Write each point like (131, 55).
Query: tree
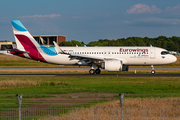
(129, 42)
(74, 43)
(164, 45)
(71, 43)
(65, 43)
(94, 43)
(172, 43)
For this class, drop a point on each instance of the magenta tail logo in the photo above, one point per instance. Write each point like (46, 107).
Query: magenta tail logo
(30, 48)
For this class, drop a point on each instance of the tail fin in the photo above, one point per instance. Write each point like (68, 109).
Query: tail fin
(25, 41)
(22, 36)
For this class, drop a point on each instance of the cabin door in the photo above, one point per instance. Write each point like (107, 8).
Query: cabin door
(152, 53)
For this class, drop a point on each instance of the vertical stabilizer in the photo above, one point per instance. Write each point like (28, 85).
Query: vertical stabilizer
(25, 41)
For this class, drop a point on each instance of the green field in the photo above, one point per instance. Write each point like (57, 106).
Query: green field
(44, 87)
(60, 85)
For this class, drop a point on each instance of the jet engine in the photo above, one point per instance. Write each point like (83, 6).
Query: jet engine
(114, 65)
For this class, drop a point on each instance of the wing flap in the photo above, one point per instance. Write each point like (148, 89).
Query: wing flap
(85, 57)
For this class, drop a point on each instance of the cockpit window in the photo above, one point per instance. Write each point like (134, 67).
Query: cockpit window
(164, 52)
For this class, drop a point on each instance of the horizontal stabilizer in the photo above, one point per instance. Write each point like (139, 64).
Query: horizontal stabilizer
(17, 51)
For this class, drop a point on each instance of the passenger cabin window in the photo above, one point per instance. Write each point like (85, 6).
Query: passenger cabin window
(164, 53)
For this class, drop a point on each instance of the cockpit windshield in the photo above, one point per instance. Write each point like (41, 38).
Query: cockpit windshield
(164, 53)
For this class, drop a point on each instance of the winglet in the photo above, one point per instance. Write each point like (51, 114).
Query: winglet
(59, 50)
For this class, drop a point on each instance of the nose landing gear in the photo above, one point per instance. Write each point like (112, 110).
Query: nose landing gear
(153, 71)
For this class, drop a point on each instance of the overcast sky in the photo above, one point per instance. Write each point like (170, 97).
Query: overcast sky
(91, 20)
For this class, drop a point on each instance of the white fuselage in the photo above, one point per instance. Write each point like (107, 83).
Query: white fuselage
(128, 55)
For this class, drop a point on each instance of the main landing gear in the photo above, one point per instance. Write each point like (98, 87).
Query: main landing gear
(153, 71)
(92, 71)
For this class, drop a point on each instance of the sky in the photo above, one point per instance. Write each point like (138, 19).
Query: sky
(91, 20)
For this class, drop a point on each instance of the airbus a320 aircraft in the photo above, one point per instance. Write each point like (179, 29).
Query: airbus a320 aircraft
(108, 58)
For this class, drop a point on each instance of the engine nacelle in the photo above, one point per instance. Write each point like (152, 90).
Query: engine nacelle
(112, 65)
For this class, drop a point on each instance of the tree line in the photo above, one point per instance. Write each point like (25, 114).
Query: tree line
(168, 43)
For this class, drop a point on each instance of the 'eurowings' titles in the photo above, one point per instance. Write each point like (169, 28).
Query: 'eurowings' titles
(133, 50)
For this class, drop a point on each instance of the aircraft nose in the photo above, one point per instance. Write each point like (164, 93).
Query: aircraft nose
(173, 59)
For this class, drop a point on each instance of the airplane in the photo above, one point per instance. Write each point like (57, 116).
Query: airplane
(107, 58)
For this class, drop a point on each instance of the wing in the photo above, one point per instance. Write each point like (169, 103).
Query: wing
(89, 60)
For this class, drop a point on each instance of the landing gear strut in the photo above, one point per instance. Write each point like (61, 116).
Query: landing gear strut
(153, 71)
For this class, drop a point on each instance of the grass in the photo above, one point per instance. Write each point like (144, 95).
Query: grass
(41, 87)
(28, 83)
(154, 108)
(60, 85)
(134, 88)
